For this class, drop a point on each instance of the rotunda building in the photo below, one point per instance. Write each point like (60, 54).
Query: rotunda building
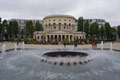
(60, 28)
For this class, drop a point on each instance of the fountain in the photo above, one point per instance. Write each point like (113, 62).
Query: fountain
(102, 45)
(3, 48)
(15, 47)
(111, 46)
(66, 57)
(23, 45)
(3, 54)
(54, 64)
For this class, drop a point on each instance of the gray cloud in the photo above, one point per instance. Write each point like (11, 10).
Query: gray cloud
(37, 9)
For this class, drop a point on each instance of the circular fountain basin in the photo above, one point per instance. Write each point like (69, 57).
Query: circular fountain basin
(65, 54)
(26, 65)
(65, 58)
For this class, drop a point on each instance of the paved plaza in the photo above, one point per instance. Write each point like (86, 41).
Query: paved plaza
(10, 45)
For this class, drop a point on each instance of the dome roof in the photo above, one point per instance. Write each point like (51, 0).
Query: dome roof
(64, 16)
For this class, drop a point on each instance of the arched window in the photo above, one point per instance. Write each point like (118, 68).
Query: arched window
(38, 37)
(49, 26)
(59, 26)
(54, 25)
(80, 37)
(69, 24)
(64, 25)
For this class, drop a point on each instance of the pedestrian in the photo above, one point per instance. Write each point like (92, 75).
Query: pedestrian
(17, 42)
(96, 44)
(65, 45)
(75, 45)
(93, 45)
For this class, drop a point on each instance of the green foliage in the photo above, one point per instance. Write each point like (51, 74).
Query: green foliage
(29, 29)
(55, 41)
(13, 29)
(1, 32)
(86, 28)
(94, 30)
(113, 29)
(65, 40)
(5, 25)
(113, 35)
(19, 40)
(22, 33)
(108, 31)
(118, 31)
(10, 28)
(32, 40)
(80, 24)
(76, 40)
(91, 40)
(38, 26)
(0, 28)
(26, 40)
(102, 31)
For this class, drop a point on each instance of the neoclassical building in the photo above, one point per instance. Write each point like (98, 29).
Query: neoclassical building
(59, 27)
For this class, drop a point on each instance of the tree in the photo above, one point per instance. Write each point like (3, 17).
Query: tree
(94, 30)
(86, 28)
(102, 32)
(38, 26)
(108, 30)
(80, 24)
(22, 33)
(113, 35)
(0, 28)
(97, 30)
(10, 28)
(4, 30)
(29, 29)
(5, 25)
(1, 31)
(118, 31)
(13, 29)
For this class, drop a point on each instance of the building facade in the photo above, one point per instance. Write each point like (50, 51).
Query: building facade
(22, 22)
(100, 22)
(59, 27)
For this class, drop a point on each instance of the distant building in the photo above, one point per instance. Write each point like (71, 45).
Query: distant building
(60, 28)
(100, 22)
(115, 33)
(22, 22)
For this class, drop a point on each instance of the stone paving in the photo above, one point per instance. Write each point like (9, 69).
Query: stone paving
(10, 45)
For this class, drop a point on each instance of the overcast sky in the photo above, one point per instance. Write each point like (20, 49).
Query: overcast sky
(38, 9)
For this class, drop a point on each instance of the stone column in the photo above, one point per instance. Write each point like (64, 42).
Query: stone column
(69, 38)
(57, 38)
(72, 37)
(39, 37)
(65, 36)
(50, 37)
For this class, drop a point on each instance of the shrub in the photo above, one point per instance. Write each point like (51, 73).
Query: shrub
(32, 40)
(91, 40)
